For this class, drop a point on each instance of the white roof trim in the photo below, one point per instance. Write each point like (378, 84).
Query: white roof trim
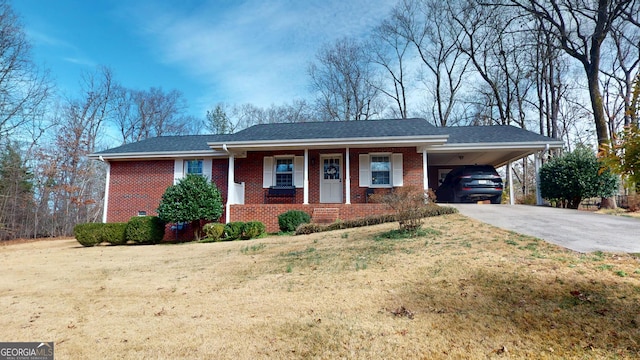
(538, 145)
(160, 155)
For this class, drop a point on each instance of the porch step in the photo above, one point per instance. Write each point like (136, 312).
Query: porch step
(325, 215)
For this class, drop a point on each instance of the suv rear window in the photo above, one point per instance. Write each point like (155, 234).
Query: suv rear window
(479, 170)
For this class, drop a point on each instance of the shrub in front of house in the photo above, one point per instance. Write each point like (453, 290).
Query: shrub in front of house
(145, 230)
(213, 231)
(426, 211)
(290, 220)
(88, 234)
(233, 230)
(92, 234)
(114, 233)
(253, 229)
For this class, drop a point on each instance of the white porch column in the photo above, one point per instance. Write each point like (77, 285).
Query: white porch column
(305, 190)
(105, 208)
(230, 187)
(512, 201)
(537, 163)
(347, 177)
(425, 173)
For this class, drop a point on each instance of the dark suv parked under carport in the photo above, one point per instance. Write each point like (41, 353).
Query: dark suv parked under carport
(470, 183)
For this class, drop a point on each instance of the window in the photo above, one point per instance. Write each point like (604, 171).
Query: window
(380, 170)
(284, 172)
(194, 167)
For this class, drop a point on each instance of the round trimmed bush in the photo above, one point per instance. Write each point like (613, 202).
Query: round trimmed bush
(233, 230)
(253, 229)
(88, 234)
(291, 219)
(213, 231)
(145, 230)
(114, 233)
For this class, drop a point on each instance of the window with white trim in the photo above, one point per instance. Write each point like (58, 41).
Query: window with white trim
(283, 172)
(194, 166)
(380, 170)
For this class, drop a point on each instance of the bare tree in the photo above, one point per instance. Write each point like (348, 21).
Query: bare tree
(389, 49)
(72, 185)
(497, 53)
(619, 72)
(23, 87)
(427, 25)
(581, 29)
(342, 79)
(141, 114)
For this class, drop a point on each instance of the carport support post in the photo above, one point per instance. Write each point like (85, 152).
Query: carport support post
(510, 179)
(537, 162)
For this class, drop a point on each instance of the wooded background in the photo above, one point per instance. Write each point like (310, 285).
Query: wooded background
(562, 68)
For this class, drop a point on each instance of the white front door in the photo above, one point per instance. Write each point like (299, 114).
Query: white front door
(331, 179)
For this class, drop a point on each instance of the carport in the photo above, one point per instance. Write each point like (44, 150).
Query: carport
(493, 145)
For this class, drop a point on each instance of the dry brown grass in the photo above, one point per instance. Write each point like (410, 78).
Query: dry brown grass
(461, 290)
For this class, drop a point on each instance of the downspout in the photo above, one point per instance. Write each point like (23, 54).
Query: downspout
(230, 183)
(106, 190)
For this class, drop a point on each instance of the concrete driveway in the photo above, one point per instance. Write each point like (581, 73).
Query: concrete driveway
(576, 230)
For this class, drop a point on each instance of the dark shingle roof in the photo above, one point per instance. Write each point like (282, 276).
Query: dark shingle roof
(167, 144)
(337, 130)
(491, 134)
(330, 130)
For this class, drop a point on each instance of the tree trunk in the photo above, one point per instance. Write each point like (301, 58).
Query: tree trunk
(592, 70)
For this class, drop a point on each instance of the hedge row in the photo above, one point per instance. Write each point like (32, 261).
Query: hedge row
(139, 230)
(233, 231)
(427, 211)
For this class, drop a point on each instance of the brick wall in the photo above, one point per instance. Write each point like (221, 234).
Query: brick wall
(268, 213)
(137, 186)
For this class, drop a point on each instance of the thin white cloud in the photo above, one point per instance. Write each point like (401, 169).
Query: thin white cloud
(252, 51)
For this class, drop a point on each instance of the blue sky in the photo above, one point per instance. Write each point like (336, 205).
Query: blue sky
(213, 51)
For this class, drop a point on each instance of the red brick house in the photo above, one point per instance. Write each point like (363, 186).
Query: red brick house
(327, 167)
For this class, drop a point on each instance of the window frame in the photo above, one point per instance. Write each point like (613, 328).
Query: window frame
(276, 172)
(187, 162)
(390, 170)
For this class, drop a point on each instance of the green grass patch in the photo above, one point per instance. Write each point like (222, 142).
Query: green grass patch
(253, 248)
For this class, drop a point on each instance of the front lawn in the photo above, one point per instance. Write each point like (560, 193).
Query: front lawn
(460, 289)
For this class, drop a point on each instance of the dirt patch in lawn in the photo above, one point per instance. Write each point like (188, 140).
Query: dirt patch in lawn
(461, 289)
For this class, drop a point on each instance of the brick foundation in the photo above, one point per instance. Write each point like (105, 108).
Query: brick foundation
(268, 213)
